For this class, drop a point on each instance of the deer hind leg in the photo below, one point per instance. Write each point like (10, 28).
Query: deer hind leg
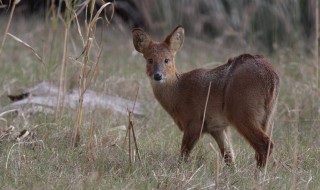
(269, 112)
(223, 139)
(266, 121)
(252, 131)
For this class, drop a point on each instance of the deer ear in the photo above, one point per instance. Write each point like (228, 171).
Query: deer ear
(141, 40)
(175, 39)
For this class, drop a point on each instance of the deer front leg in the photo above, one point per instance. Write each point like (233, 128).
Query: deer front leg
(190, 137)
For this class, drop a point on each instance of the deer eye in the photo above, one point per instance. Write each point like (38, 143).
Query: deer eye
(166, 61)
(150, 61)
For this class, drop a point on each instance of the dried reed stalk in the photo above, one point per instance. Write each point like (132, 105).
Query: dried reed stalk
(83, 82)
(62, 88)
(316, 42)
(62, 84)
(90, 154)
(130, 146)
(89, 38)
(295, 150)
(28, 46)
(205, 109)
(15, 2)
(130, 130)
(204, 117)
(217, 170)
(266, 166)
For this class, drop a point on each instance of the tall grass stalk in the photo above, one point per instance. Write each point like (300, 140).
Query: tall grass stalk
(204, 117)
(29, 47)
(83, 78)
(295, 126)
(62, 78)
(90, 154)
(63, 72)
(266, 166)
(316, 41)
(205, 109)
(84, 82)
(217, 166)
(130, 130)
(15, 2)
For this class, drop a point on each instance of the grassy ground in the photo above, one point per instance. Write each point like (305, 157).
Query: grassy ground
(101, 160)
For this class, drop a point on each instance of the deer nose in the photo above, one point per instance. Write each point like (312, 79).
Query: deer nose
(157, 76)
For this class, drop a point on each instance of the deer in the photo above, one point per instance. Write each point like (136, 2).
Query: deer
(241, 93)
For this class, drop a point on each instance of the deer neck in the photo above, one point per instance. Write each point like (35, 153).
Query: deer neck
(166, 91)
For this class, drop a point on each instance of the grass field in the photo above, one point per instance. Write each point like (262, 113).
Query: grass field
(101, 161)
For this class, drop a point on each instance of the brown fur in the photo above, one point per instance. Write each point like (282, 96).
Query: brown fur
(243, 94)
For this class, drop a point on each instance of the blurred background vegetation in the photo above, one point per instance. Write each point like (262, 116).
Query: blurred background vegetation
(268, 24)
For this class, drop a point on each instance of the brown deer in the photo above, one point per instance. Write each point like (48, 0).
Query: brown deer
(243, 94)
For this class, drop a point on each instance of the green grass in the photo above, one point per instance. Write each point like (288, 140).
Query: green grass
(105, 164)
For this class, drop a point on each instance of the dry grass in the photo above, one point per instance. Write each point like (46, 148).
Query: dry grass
(15, 2)
(316, 42)
(100, 160)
